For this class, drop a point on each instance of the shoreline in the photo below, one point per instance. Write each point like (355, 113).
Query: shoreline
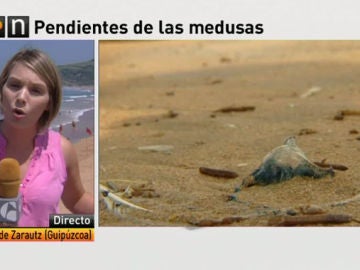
(80, 87)
(78, 130)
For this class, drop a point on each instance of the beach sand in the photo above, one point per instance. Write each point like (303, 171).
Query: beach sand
(167, 92)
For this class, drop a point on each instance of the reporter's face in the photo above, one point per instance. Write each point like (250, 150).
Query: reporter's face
(25, 97)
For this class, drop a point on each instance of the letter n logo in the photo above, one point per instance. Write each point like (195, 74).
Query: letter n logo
(18, 26)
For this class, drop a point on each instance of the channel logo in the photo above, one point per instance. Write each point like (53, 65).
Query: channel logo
(14, 26)
(2, 26)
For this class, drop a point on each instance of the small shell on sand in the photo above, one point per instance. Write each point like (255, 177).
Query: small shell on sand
(157, 148)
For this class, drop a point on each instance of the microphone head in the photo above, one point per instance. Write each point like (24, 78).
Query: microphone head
(9, 178)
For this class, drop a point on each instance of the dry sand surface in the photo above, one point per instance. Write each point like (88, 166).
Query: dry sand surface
(166, 92)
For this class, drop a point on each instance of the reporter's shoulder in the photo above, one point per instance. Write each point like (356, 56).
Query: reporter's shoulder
(68, 149)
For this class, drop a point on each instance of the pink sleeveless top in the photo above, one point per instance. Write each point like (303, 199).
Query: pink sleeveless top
(43, 184)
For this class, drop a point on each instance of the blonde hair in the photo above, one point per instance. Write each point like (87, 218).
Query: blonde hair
(43, 66)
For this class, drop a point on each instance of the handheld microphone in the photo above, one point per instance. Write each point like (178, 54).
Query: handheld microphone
(10, 199)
